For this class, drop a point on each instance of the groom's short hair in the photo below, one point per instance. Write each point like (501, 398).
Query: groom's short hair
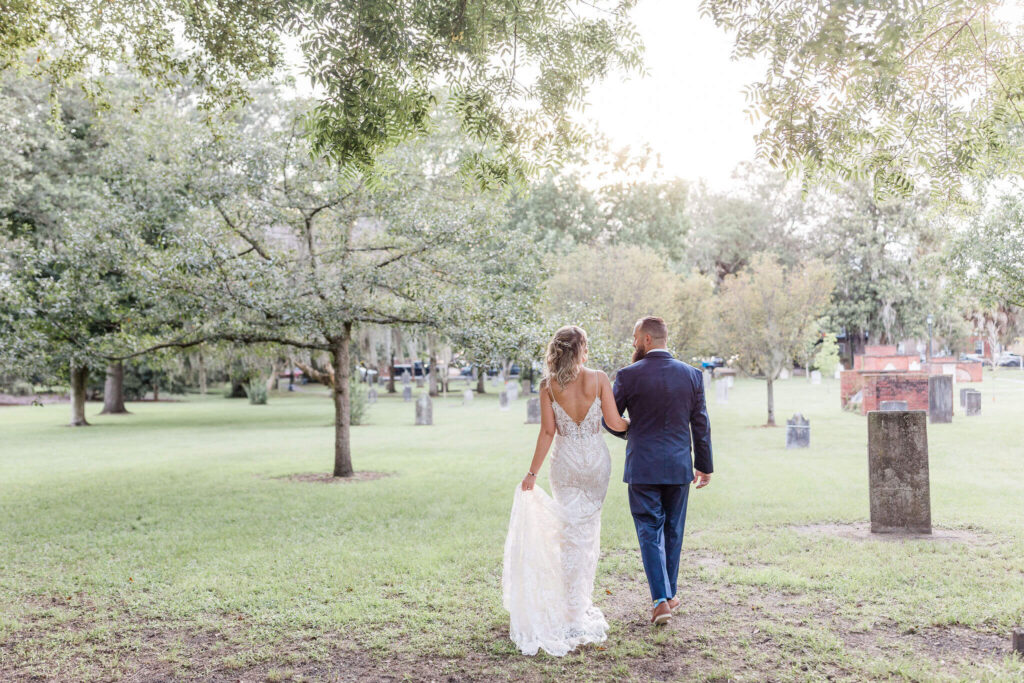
(654, 326)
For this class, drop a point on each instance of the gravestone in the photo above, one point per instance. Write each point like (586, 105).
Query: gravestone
(729, 381)
(503, 400)
(468, 380)
(707, 376)
(424, 410)
(467, 396)
(816, 377)
(527, 386)
(973, 406)
(798, 432)
(496, 380)
(533, 411)
(838, 373)
(419, 381)
(898, 472)
(513, 391)
(963, 394)
(406, 378)
(371, 395)
(721, 391)
(784, 374)
(940, 398)
(406, 393)
(1017, 641)
(889, 406)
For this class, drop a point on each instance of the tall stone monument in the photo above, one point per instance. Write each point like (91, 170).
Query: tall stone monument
(533, 411)
(898, 472)
(424, 410)
(940, 398)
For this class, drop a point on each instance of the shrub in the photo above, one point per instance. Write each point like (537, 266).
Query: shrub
(358, 403)
(257, 391)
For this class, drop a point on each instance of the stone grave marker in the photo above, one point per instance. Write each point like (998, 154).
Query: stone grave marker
(784, 374)
(729, 381)
(963, 394)
(707, 376)
(406, 377)
(898, 472)
(419, 381)
(973, 406)
(513, 390)
(816, 377)
(533, 411)
(940, 398)
(721, 391)
(527, 386)
(467, 396)
(889, 406)
(1017, 641)
(424, 410)
(406, 393)
(503, 400)
(371, 395)
(798, 432)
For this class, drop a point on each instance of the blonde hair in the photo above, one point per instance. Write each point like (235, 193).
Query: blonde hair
(565, 355)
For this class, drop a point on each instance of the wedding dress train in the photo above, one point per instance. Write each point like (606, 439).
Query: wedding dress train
(553, 543)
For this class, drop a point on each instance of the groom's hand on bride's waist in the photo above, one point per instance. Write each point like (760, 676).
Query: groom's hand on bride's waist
(701, 479)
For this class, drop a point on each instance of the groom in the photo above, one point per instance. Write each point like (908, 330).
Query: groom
(665, 400)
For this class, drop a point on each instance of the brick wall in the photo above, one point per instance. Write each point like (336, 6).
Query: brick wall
(887, 363)
(881, 350)
(850, 382)
(911, 387)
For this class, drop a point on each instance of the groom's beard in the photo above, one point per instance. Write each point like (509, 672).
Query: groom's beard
(638, 353)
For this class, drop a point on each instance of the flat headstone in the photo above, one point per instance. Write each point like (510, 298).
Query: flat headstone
(503, 400)
(721, 391)
(467, 396)
(371, 395)
(406, 393)
(798, 432)
(898, 472)
(424, 410)
(973, 406)
(940, 398)
(889, 406)
(816, 377)
(527, 386)
(533, 411)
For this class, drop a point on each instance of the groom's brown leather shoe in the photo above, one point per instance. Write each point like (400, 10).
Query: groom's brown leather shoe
(674, 603)
(661, 615)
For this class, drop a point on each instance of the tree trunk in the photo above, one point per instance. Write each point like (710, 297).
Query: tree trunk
(237, 389)
(391, 375)
(79, 379)
(272, 380)
(202, 375)
(481, 376)
(291, 373)
(432, 377)
(156, 391)
(113, 391)
(342, 443)
(771, 403)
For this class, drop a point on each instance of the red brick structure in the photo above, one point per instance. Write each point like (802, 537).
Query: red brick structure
(882, 374)
(911, 387)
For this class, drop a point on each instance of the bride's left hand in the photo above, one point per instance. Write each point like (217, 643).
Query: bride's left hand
(528, 481)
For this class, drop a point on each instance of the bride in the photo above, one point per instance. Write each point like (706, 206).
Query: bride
(553, 544)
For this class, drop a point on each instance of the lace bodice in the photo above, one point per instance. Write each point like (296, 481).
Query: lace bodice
(588, 426)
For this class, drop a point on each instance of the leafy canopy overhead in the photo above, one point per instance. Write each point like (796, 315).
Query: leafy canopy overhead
(911, 94)
(516, 69)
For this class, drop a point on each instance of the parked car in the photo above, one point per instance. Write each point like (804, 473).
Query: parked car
(1009, 360)
(712, 363)
(417, 369)
(973, 358)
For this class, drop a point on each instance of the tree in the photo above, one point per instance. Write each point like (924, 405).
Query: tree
(914, 96)
(827, 358)
(766, 315)
(291, 252)
(987, 255)
(516, 70)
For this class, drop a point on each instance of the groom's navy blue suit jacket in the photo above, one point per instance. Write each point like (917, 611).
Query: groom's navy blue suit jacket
(665, 400)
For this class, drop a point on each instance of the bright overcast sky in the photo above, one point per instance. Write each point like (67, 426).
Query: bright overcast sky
(690, 107)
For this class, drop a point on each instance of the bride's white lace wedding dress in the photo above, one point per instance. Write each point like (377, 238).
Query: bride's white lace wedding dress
(553, 544)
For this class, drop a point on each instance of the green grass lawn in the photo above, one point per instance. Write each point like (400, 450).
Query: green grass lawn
(172, 544)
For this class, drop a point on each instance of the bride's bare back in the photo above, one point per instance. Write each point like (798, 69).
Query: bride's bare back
(578, 395)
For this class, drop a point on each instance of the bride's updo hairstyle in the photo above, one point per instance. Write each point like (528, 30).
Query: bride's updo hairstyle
(565, 355)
